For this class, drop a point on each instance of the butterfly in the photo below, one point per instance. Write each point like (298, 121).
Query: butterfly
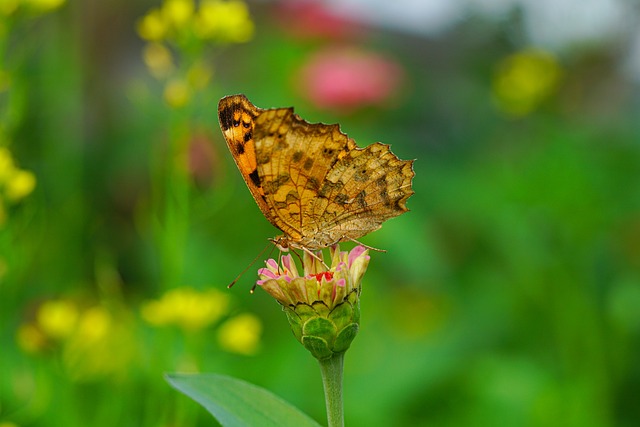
(310, 180)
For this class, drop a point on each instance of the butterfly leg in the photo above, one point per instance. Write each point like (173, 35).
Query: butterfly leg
(366, 246)
(315, 256)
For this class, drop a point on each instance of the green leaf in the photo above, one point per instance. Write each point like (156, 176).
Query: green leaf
(236, 403)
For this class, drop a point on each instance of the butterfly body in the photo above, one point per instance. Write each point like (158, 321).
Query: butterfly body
(310, 180)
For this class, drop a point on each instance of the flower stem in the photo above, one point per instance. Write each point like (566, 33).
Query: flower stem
(331, 370)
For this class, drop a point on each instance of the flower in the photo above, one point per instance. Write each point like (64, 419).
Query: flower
(20, 185)
(178, 12)
(152, 26)
(322, 305)
(187, 308)
(158, 59)
(525, 79)
(15, 183)
(349, 78)
(58, 318)
(224, 20)
(177, 20)
(177, 92)
(241, 334)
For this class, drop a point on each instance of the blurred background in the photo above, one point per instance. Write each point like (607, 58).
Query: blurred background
(509, 295)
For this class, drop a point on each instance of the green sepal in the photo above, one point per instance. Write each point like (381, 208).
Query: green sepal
(294, 321)
(304, 310)
(317, 346)
(341, 315)
(345, 337)
(321, 309)
(321, 328)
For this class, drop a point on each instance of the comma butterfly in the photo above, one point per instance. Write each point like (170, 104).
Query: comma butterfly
(310, 180)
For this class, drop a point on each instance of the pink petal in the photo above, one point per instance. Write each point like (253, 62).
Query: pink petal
(271, 263)
(355, 253)
(286, 262)
(266, 272)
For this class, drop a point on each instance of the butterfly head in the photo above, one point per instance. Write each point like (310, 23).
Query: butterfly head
(282, 242)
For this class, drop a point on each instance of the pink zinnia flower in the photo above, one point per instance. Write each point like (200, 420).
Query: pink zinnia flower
(323, 303)
(349, 78)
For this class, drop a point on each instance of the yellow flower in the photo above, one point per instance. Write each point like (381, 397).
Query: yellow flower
(94, 324)
(178, 12)
(20, 185)
(523, 80)
(224, 20)
(7, 7)
(187, 308)
(158, 59)
(57, 318)
(102, 344)
(152, 26)
(199, 75)
(177, 93)
(241, 334)
(7, 167)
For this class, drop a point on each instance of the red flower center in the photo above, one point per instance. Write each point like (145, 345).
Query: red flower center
(328, 275)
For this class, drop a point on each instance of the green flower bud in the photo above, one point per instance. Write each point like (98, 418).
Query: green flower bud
(323, 306)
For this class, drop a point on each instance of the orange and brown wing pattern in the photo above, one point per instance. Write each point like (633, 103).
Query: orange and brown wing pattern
(237, 121)
(309, 179)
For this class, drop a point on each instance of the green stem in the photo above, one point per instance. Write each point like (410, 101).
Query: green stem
(331, 370)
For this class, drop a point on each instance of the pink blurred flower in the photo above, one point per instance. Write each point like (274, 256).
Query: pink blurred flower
(349, 78)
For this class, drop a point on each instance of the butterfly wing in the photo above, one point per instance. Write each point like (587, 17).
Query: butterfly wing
(237, 121)
(309, 179)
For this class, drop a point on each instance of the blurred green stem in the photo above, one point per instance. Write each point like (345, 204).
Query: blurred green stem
(331, 370)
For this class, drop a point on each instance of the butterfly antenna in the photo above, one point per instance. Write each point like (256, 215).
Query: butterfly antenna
(367, 246)
(316, 257)
(247, 268)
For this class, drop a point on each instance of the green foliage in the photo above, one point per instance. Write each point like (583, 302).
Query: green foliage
(236, 403)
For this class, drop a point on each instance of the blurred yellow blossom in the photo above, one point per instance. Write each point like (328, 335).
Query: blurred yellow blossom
(523, 80)
(20, 185)
(152, 26)
(224, 20)
(158, 59)
(187, 308)
(57, 318)
(7, 423)
(16, 183)
(7, 7)
(241, 334)
(178, 12)
(102, 344)
(227, 21)
(94, 324)
(7, 168)
(199, 75)
(177, 93)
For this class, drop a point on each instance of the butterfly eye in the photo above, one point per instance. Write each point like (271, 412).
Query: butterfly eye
(236, 123)
(247, 125)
